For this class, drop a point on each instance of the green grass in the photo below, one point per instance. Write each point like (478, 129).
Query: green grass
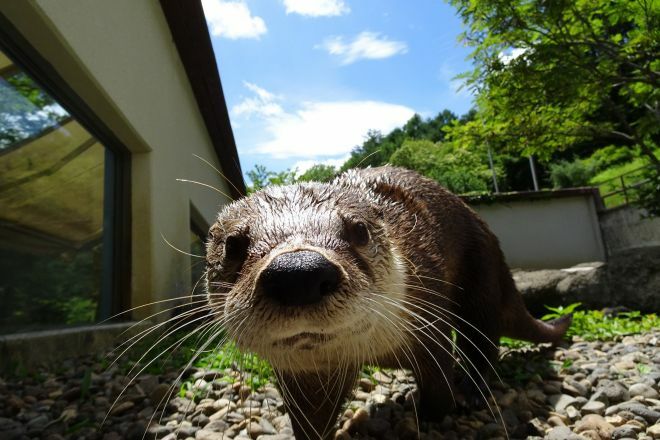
(256, 371)
(594, 325)
(601, 179)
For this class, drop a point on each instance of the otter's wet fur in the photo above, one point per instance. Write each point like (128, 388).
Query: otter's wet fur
(382, 267)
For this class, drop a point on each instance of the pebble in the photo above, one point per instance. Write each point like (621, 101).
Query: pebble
(601, 394)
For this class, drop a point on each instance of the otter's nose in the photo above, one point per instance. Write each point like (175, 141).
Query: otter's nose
(299, 278)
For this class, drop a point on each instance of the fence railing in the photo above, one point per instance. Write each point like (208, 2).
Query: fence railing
(622, 190)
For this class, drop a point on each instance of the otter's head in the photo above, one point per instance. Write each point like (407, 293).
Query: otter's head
(304, 273)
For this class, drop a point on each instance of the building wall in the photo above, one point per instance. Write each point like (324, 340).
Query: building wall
(546, 233)
(119, 58)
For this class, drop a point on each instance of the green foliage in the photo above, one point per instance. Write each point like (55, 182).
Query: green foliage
(458, 169)
(585, 72)
(260, 177)
(377, 149)
(592, 325)
(647, 196)
(560, 311)
(573, 174)
(612, 156)
(318, 173)
(595, 325)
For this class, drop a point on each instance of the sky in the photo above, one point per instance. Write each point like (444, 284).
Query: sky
(305, 80)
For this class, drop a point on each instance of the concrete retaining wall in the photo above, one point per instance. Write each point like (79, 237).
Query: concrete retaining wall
(626, 228)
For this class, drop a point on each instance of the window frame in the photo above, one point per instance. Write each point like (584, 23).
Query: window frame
(116, 272)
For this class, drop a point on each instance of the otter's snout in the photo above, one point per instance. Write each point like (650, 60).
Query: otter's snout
(299, 278)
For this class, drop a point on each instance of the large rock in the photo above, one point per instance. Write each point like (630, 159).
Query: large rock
(630, 279)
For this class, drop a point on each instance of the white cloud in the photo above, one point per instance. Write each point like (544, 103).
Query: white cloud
(457, 86)
(303, 165)
(366, 45)
(506, 58)
(232, 19)
(263, 103)
(322, 129)
(316, 8)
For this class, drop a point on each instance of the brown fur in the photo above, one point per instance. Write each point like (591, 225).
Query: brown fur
(430, 265)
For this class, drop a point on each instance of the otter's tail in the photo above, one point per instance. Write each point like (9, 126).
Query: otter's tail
(518, 323)
(535, 330)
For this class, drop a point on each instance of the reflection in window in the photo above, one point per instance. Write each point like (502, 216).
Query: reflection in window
(51, 210)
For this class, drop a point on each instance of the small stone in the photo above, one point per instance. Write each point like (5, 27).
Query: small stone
(561, 401)
(217, 426)
(654, 431)
(121, 408)
(381, 377)
(204, 434)
(593, 407)
(508, 398)
(596, 423)
(366, 384)
(275, 437)
(360, 417)
(555, 421)
(362, 396)
(574, 388)
(641, 389)
(244, 392)
(649, 415)
(624, 365)
(572, 413)
(614, 391)
(615, 420)
(559, 433)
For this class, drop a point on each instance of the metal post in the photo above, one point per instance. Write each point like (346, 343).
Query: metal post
(623, 188)
(531, 167)
(492, 169)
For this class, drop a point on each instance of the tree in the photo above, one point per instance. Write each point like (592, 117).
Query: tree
(377, 149)
(368, 154)
(551, 74)
(459, 170)
(318, 173)
(260, 177)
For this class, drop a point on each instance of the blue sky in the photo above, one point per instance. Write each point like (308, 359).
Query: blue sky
(305, 80)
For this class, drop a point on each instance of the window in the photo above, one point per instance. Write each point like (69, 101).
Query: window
(57, 212)
(197, 265)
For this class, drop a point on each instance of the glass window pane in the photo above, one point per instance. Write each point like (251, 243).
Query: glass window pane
(52, 177)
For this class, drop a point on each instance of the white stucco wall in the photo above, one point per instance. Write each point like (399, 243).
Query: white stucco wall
(546, 233)
(119, 57)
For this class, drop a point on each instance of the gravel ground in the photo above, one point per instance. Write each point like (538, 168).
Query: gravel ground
(586, 390)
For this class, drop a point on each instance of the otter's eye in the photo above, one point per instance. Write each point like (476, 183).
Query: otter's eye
(236, 247)
(358, 234)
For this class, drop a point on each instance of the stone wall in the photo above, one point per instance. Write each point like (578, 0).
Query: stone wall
(629, 278)
(627, 228)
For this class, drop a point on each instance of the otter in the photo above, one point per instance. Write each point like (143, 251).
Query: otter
(381, 267)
